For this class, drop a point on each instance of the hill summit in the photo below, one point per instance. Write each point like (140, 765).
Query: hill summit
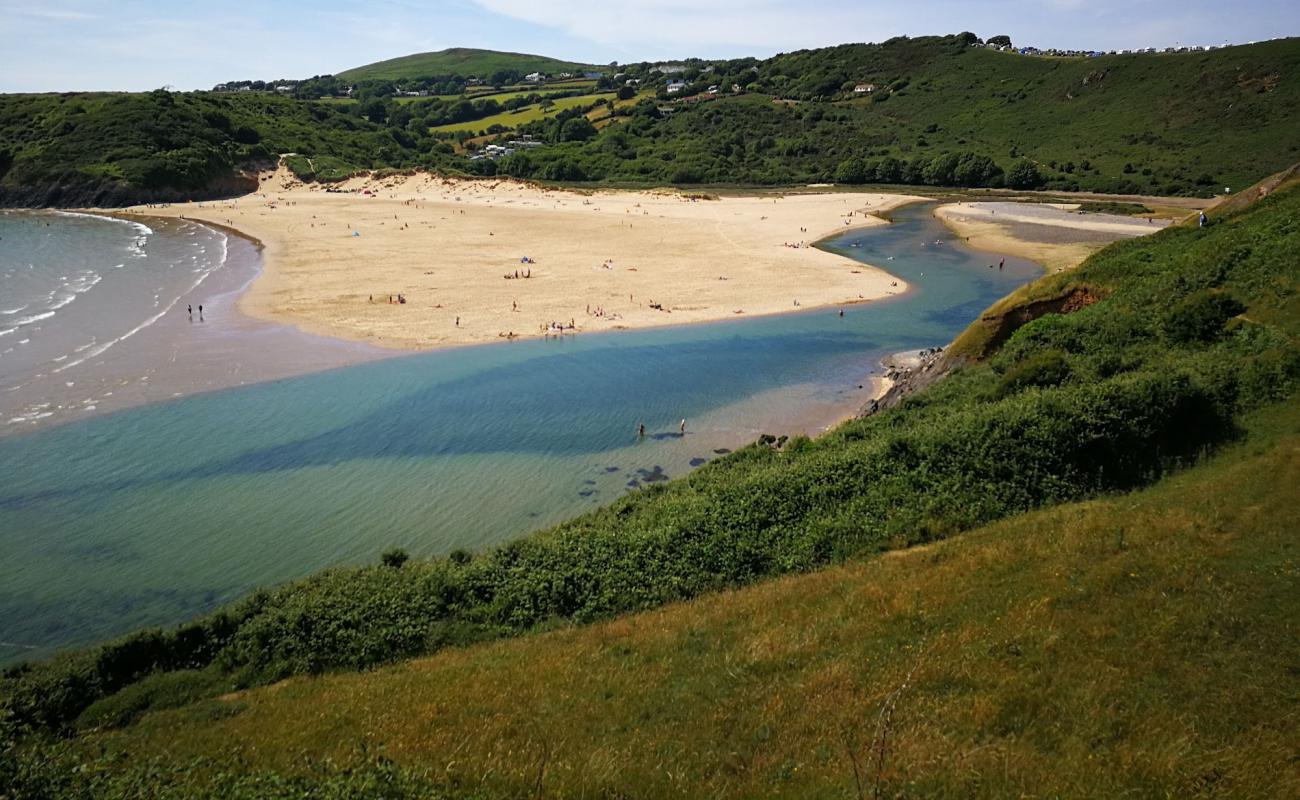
(465, 61)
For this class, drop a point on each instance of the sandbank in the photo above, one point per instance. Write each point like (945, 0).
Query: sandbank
(334, 254)
(1058, 236)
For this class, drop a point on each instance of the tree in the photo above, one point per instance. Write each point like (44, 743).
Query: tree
(850, 170)
(1001, 40)
(626, 92)
(1025, 175)
(976, 170)
(577, 129)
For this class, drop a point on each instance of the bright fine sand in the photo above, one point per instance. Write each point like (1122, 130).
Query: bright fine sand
(599, 261)
(1056, 236)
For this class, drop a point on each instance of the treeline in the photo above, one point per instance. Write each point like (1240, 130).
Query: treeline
(84, 148)
(1107, 398)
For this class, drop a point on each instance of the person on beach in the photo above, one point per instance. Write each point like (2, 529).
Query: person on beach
(1002, 264)
(190, 309)
(200, 312)
(640, 430)
(683, 426)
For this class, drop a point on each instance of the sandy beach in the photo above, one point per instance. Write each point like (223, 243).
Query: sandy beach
(586, 262)
(1057, 236)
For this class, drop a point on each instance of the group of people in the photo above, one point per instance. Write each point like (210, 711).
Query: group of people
(397, 299)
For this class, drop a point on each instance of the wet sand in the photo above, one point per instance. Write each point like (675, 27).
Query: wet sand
(1055, 235)
(182, 354)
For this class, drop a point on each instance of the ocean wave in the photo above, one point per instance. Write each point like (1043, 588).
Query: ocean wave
(12, 310)
(99, 350)
(33, 318)
(143, 232)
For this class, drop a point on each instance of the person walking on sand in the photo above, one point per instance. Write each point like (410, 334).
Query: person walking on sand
(190, 309)
(682, 428)
(200, 312)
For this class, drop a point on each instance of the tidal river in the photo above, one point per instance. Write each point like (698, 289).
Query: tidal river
(156, 513)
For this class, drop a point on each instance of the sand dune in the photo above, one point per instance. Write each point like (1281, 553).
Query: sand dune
(597, 261)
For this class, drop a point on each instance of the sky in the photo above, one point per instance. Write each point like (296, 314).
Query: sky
(75, 45)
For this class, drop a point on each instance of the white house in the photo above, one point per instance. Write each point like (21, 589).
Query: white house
(676, 86)
(534, 77)
(864, 88)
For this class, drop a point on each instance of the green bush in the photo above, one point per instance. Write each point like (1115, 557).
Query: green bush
(1046, 368)
(1200, 317)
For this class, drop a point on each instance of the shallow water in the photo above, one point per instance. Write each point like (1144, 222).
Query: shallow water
(155, 514)
(99, 314)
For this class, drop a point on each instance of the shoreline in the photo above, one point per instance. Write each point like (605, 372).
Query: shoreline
(305, 276)
(172, 357)
(1058, 236)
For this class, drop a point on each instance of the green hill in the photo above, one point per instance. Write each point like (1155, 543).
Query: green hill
(1076, 647)
(943, 113)
(464, 61)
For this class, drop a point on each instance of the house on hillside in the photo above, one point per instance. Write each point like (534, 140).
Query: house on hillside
(864, 88)
(676, 86)
(534, 77)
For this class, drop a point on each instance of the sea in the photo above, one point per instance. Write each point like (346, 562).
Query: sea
(155, 464)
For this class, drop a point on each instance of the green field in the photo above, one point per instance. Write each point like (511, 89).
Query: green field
(521, 116)
(464, 61)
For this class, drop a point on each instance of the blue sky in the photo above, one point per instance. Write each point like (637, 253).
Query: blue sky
(65, 45)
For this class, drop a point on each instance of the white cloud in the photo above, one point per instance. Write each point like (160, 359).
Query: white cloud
(682, 25)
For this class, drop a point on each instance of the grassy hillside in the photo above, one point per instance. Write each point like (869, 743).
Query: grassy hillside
(464, 61)
(1182, 334)
(117, 149)
(1187, 123)
(1139, 644)
(943, 114)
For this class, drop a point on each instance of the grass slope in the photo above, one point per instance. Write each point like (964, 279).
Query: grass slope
(1140, 124)
(464, 61)
(1136, 644)
(522, 116)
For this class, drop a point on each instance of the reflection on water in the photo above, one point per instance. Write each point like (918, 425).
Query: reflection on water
(154, 514)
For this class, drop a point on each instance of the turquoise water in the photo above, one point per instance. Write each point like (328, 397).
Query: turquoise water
(155, 514)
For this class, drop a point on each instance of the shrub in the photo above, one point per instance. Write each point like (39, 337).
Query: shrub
(1046, 368)
(1200, 317)
(394, 558)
